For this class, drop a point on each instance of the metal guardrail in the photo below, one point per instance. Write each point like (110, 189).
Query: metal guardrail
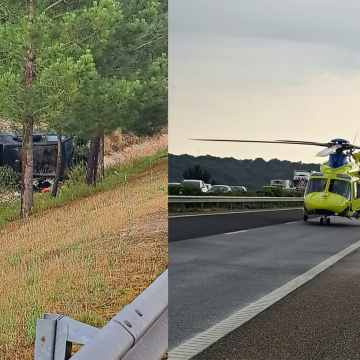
(229, 199)
(139, 331)
(184, 199)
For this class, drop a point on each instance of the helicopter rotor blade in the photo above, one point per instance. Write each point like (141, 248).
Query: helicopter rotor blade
(328, 145)
(345, 146)
(298, 142)
(328, 151)
(244, 141)
(267, 142)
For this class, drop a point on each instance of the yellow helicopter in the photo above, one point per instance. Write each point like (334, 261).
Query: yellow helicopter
(335, 190)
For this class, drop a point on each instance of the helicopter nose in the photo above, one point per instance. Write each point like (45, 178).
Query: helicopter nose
(325, 201)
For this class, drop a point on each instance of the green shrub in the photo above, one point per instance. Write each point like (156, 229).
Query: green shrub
(9, 179)
(76, 176)
(271, 191)
(174, 189)
(187, 190)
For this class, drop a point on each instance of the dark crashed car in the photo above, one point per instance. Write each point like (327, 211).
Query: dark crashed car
(45, 153)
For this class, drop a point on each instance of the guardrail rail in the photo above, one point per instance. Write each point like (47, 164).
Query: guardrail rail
(184, 199)
(139, 331)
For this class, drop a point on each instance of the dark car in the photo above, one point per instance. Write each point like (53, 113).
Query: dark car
(45, 153)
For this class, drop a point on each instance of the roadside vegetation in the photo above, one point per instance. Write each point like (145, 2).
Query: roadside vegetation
(83, 69)
(85, 254)
(110, 64)
(264, 191)
(252, 174)
(76, 188)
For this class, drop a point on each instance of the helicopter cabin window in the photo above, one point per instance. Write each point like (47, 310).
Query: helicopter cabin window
(316, 185)
(357, 190)
(340, 187)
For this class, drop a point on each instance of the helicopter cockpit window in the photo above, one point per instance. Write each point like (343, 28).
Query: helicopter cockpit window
(340, 187)
(357, 190)
(316, 185)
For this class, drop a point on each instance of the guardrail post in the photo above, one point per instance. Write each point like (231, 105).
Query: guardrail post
(139, 331)
(217, 206)
(202, 207)
(230, 206)
(55, 335)
(183, 207)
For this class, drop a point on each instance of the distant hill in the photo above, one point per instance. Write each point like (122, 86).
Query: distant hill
(253, 174)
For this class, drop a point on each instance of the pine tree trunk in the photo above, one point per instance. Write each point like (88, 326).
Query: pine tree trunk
(101, 165)
(58, 167)
(27, 200)
(27, 171)
(93, 161)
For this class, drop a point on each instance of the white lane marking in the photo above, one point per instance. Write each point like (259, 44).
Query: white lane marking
(205, 339)
(291, 222)
(233, 212)
(236, 232)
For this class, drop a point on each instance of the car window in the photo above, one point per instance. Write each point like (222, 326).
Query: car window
(190, 183)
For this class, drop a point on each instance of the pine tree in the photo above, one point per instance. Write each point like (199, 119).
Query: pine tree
(46, 35)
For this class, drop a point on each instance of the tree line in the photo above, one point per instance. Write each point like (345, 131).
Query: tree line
(82, 68)
(253, 174)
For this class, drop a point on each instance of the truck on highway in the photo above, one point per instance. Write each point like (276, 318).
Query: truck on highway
(299, 175)
(280, 183)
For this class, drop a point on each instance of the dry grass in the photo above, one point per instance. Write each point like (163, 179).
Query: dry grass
(6, 196)
(120, 148)
(5, 125)
(85, 260)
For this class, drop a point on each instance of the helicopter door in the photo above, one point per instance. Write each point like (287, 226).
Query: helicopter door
(356, 197)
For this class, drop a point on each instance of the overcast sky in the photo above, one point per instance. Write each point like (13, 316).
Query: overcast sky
(263, 70)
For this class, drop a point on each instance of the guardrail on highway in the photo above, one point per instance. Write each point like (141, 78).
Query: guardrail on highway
(139, 331)
(184, 199)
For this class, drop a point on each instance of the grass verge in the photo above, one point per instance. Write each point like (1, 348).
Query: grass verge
(85, 260)
(114, 176)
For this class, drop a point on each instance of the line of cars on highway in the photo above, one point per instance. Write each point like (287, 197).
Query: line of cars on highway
(208, 188)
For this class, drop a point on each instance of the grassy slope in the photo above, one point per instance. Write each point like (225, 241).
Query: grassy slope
(85, 260)
(114, 176)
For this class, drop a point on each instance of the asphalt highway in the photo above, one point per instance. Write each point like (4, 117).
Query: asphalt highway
(201, 225)
(212, 277)
(320, 320)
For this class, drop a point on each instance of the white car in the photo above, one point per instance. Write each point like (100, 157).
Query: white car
(208, 186)
(238, 188)
(195, 183)
(221, 188)
(173, 184)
